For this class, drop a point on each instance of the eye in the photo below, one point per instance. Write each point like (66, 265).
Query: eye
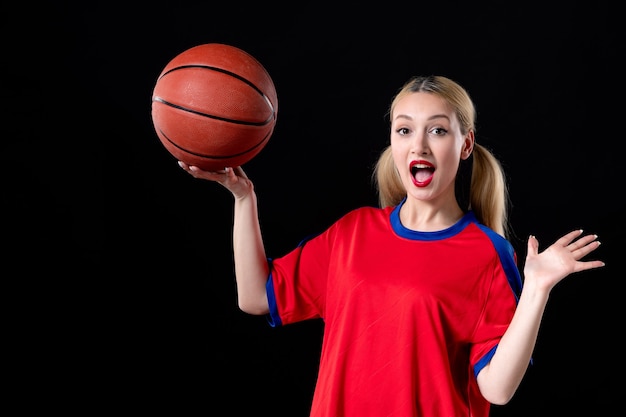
(439, 131)
(402, 131)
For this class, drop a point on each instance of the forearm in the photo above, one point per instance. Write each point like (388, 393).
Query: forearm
(501, 378)
(251, 268)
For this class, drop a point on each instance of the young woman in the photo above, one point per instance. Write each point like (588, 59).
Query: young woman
(422, 300)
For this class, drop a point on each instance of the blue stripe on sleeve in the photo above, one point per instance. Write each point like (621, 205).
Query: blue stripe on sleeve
(273, 318)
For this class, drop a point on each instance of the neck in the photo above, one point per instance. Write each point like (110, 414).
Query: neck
(427, 217)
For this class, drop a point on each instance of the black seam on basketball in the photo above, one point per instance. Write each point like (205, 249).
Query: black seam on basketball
(232, 74)
(265, 139)
(212, 116)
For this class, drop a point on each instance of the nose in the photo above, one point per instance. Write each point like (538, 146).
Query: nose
(419, 145)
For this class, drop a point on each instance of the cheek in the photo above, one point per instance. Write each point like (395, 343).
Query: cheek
(451, 156)
(451, 152)
(448, 160)
(400, 145)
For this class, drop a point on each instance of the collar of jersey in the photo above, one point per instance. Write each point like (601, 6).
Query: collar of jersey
(402, 231)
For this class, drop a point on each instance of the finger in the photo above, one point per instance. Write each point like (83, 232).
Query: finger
(239, 170)
(585, 250)
(583, 241)
(583, 266)
(568, 238)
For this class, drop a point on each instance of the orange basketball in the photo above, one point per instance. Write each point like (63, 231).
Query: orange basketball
(214, 106)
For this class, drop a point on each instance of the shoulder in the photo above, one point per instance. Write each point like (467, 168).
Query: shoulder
(501, 244)
(361, 218)
(366, 212)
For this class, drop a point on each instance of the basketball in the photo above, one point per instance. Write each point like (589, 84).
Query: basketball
(214, 106)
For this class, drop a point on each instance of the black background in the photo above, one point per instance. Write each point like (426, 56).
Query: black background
(120, 264)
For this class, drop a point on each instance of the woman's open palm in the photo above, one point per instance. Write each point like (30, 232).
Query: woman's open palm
(560, 259)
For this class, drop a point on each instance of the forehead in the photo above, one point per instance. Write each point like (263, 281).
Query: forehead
(422, 105)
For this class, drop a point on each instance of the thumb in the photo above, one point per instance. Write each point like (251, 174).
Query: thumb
(533, 245)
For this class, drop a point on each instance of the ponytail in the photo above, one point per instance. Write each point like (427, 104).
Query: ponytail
(389, 185)
(488, 191)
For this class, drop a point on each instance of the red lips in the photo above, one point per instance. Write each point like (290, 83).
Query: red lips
(422, 172)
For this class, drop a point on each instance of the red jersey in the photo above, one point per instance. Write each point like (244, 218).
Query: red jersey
(410, 318)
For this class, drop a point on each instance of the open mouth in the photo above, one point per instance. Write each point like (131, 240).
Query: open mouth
(422, 173)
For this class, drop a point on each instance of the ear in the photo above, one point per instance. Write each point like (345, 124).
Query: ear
(468, 145)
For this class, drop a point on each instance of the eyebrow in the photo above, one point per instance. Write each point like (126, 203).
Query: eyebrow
(433, 117)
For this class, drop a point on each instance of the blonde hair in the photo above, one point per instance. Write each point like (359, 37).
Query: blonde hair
(488, 191)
